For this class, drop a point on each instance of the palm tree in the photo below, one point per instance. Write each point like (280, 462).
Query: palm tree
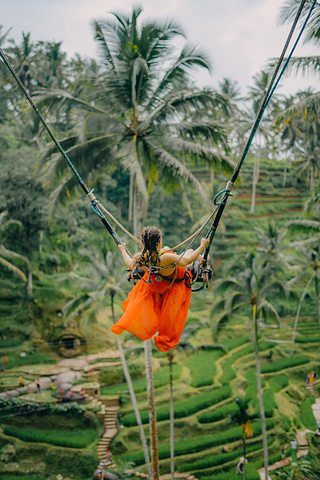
(243, 417)
(308, 264)
(308, 159)
(24, 59)
(308, 64)
(9, 258)
(140, 115)
(253, 284)
(255, 96)
(302, 469)
(273, 247)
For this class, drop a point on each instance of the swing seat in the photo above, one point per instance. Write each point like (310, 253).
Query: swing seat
(197, 276)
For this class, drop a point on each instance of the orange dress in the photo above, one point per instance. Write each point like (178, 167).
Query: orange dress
(156, 308)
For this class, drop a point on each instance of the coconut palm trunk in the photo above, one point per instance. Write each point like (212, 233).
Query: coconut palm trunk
(152, 411)
(255, 178)
(261, 406)
(244, 445)
(170, 358)
(132, 395)
(316, 280)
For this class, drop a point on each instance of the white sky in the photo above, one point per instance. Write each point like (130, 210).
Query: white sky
(239, 36)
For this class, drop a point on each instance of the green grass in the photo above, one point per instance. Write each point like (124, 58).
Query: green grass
(161, 378)
(74, 439)
(188, 446)
(32, 358)
(23, 477)
(278, 382)
(183, 408)
(307, 416)
(202, 368)
(283, 363)
(219, 413)
(220, 458)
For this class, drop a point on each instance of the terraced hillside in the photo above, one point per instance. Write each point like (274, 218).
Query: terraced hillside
(206, 385)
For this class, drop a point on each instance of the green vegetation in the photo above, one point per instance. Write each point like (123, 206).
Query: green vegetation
(77, 439)
(307, 416)
(278, 383)
(202, 368)
(183, 408)
(284, 363)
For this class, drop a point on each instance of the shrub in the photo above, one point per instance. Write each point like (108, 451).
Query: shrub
(75, 439)
(12, 406)
(9, 343)
(202, 367)
(183, 408)
(161, 378)
(24, 477)
(228, 372)
(187, 445)
(218, 459)
(251, 474)
(32, 358)
(308, 339)
(283, 363)
(286, 423)
(278, 383)
(307, 416)
(115, 375)
(269, 402)
(218, 413)
(232, 343)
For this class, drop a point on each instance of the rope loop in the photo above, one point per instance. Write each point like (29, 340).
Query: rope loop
(227, 193)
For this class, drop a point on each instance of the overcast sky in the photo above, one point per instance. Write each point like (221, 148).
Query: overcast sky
(239, 36)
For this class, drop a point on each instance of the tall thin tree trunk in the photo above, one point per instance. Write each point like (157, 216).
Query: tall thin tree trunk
(41, 240)
(311, 179)
(317, 295)
(152, 411)
(132, 395)
(29, 283)
(285, 173)
(244, 455)
(255, 178)
(130, 198)
(259, 387)
(170, 357)
(298, 312)
(137, 224)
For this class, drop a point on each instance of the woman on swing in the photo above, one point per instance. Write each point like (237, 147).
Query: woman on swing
(158, 303)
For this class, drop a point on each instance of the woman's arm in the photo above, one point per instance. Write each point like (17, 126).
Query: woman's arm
(129, 261)
(189, 257)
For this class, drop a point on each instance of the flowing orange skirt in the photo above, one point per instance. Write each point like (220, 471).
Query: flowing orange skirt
(155, 308)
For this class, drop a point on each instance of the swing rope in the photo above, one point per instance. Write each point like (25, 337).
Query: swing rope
(266, 99)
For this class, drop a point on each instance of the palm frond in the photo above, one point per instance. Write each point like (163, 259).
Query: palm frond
(12, 268)
(14, 255)
(106, 54)
(220, 321)
(176, 168)
(303, 225)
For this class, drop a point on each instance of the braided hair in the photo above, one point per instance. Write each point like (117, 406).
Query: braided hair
(150, 238)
